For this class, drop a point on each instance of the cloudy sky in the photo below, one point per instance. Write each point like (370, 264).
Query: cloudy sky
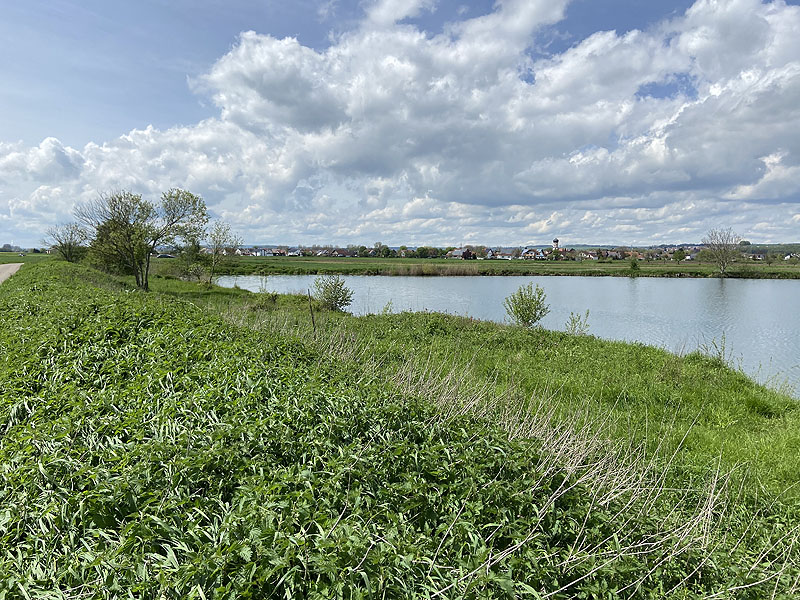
(409, 121)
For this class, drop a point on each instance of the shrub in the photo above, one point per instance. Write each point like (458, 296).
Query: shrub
(527, 305)
(578, 324)
(332, 293)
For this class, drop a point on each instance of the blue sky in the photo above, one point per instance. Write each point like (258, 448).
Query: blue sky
(607, 121)
(93, 70)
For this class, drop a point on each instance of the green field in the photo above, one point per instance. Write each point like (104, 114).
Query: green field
(296, 265)
(14, 257)
(207, 442)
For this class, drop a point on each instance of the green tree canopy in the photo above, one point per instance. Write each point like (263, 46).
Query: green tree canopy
(125, 229)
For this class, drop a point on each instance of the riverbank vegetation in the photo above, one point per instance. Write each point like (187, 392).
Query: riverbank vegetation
(206, 442)
(299, 265)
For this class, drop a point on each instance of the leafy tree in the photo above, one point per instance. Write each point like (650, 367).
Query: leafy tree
(220, 238)
(722, 245)
(527, 305)
(127, 229)
(332, 293)
(69, 240)
(191, 260)
(679, 254)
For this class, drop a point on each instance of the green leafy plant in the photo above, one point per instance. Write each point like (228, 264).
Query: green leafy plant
(527, 306)
(332, 293)
(578, 324)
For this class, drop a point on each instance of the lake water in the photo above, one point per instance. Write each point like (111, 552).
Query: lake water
(757, 321)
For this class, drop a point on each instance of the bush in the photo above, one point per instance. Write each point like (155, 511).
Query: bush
(578, 324)
(332, 293)
(527, 305)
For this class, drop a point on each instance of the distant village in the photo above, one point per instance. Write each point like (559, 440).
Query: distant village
(476, 252)
(681, 252)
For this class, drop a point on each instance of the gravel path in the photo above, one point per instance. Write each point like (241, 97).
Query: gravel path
(8, 270)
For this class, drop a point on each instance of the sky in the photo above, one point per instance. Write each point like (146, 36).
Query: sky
(440, 122)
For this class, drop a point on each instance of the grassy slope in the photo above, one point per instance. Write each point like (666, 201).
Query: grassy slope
(694, 405)
(413, 266)
(150, 447)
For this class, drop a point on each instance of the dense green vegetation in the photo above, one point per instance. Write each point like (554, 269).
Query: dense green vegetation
(296, 265)
(199, 442)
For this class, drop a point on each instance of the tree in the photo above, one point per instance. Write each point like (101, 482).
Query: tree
(722, 245)
(220, 238)
(69, 241)
(679, 254)
(332, 293)
(127, 229)
(527, 305)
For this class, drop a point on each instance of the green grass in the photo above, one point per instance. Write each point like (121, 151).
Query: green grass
(198, 442)
(434, 267)
(14, 257)
(695, 405)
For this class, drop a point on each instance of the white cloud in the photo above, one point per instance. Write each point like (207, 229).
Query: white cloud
(387, 12)
(398, 135)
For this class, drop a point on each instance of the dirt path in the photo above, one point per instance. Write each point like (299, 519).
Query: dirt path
(8, 270)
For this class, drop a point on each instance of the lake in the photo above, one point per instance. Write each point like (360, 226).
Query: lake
(755, 321)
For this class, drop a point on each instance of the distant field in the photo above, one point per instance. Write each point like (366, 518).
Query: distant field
(14, 257)
(432, 267)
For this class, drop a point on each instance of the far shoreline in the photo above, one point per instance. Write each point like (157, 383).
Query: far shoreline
(415, 267)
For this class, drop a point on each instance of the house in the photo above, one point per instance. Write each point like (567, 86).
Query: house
(588, 255)
(344, 252)
(462, 253)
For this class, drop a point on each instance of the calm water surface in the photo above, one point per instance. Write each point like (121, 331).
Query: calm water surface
(757, 321)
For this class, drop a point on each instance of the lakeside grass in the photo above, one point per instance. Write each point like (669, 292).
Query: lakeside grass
(281, 265)
(695, 405)
(208, 442)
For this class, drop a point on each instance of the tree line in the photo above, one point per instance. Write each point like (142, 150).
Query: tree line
(121, 231)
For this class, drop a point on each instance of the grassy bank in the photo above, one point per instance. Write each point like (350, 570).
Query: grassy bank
(199, 442)
(438, 267)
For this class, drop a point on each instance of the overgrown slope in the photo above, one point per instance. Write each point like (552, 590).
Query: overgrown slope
(149, 449)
